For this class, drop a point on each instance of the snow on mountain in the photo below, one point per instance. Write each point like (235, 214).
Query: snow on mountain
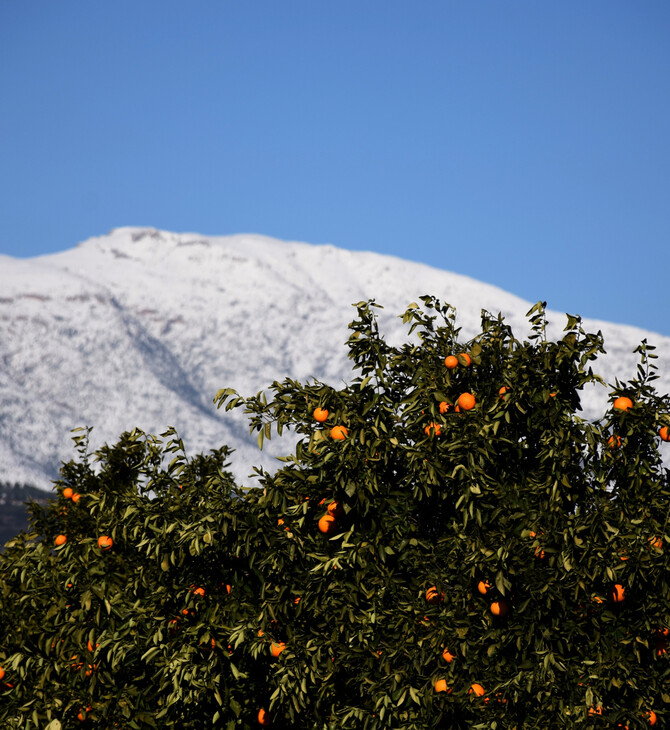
(141, 328)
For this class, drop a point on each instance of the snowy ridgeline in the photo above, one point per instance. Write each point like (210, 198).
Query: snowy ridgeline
(142, 327)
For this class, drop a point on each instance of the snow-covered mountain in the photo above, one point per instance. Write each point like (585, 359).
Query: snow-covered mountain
(141, 328)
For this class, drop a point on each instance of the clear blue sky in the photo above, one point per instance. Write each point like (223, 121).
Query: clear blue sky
(525, 143)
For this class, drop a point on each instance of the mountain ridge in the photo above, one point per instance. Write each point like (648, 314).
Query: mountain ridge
(141, 327)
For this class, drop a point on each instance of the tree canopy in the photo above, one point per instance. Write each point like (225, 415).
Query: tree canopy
(448, 545)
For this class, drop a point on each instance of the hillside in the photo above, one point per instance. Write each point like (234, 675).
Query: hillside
(141, 328)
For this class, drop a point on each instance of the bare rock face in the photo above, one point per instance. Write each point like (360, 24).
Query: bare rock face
(142, 327)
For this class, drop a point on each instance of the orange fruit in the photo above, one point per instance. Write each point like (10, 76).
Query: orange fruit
(276, 648)
(664, 433)
(483, 587)
(81, 715)
(447, 656)
(502, 392)
(338, 433)
(60, 540)
(433, 596)
(76, 497)
(433, 429)
(451, 361)
(500, 608)
(596, 710)
(2, 673)
(618, 593)
(444, 406)
(476, 689)
(539, 552)
(441, 686)
(656, 542)
(199, 592)
(105, 542)
(466, 401)
(464, 359)
(68, 492)
(320, 414)
(622, 403)
(614, 442)
(334, 509)
(263, 718)
(651, 715)
(327, 524)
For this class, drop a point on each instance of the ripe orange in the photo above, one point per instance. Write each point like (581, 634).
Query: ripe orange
(105, 542)
(651, 715)
(622, 403)
(68, 492)
(2, 673)
(483, 587)
(339, 433)
(76, 497)
(263, 718)
(499, 608)
(60, 540)
(451, 361)
(664, 433)
(444, 406)
(656, 542)
(334, 510)
(618, 593)
(539, 552)
(466, 401)
(276, 648)
(447, 656)
(81, 715)
(476, 689)
(199, 592)
(596, 710)
(441, 686)
(433, 596)
(614, 442)
(320, 414)
(503, 391)
(327, 524)
(464, 359)
(433, 429)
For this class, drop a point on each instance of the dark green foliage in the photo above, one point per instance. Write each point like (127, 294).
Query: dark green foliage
(519, 492)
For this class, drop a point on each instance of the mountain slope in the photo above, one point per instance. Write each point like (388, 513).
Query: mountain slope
(142, 327)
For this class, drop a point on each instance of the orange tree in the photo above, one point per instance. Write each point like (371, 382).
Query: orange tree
(448, 546)
(123, 621)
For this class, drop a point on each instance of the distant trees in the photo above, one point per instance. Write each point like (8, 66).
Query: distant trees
(13, 513)
(449, 546)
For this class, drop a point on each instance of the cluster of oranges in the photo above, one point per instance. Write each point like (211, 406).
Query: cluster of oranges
(69, 493)
(464, 402)
(624, 403)
(328, 522)
(337, 433)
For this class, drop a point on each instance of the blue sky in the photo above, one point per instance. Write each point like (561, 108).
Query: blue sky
(522, 143)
